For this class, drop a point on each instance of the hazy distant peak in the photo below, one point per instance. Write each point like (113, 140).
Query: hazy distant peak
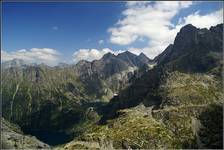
(13, 63)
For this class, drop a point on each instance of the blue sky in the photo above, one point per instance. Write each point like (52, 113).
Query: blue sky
(77, 25)
(68, 28)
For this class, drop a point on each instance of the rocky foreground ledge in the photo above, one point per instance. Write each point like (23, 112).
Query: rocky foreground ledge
(13, 138)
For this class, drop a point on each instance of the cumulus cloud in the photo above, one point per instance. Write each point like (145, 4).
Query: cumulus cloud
(153, 21)
(92, 54)
(101, 41)
(34, 55)
(203, 21)
(142, 20)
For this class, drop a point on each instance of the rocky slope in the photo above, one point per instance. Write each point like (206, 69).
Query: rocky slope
(55, 98)
(197, 54)
(177, 104)
(142, 128)
(13, 138)
(194, 50)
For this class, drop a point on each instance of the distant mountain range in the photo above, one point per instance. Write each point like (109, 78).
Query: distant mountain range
(126, 57)
(31, 89)
(121, 101)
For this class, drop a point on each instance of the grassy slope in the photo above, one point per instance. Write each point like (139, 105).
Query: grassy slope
(178, 123)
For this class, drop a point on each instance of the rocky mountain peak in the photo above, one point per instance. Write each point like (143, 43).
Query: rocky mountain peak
(216, 30)
(143, 56)
(108, 55)
(195, 49)
(126, 54)
(128, 57)
(186, 37)
(187, 28)
(218, 27)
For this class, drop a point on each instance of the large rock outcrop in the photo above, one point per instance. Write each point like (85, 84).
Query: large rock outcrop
(13, 138)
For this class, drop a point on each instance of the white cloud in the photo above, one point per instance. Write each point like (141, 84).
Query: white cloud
(34, 55)
(142, 20)
(91, 54)
(203, 21)
(153, 21)
(101, 41)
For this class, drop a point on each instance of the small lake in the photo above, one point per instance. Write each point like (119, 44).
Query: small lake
(54, 138)
(51, 138)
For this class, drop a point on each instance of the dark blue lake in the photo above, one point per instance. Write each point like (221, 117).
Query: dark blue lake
(50, 137)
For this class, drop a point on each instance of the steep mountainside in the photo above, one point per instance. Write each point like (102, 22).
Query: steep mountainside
(194, 50)
(115, 71)
(34, 94)
(181, 97)
(197, 53)
(178, 103)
